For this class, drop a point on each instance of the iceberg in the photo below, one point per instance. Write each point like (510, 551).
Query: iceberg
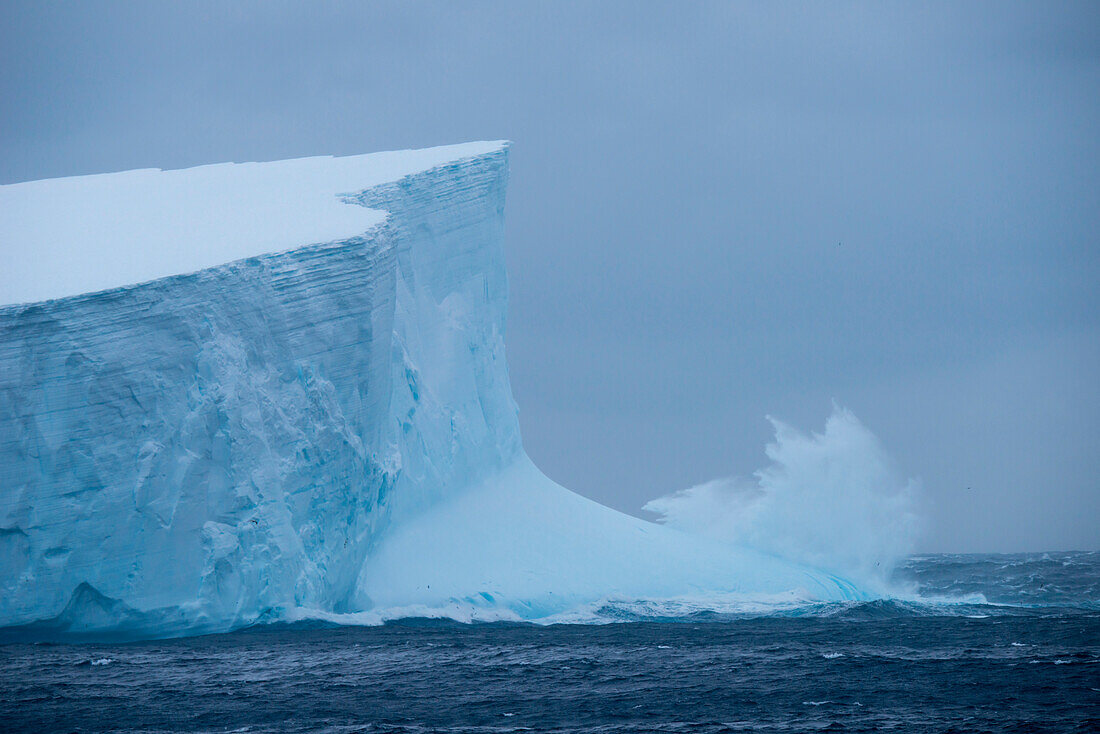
(261, 392)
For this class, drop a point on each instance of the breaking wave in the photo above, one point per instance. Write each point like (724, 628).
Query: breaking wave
(830, 500)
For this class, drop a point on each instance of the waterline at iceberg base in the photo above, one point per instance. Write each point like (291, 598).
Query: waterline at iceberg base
(321, 427)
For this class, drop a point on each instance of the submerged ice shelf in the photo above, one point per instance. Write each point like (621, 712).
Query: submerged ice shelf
(310, 417)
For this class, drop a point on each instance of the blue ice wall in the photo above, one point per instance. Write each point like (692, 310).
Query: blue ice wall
(205, 450)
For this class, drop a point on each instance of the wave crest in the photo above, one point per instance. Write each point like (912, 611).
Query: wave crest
(830, 500)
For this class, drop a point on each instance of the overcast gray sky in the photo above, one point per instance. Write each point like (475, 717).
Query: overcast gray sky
(718, 211)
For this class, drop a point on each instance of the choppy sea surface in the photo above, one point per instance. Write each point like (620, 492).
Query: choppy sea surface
(980, 643)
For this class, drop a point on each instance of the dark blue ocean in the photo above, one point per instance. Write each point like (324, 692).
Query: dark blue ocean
(993, 643)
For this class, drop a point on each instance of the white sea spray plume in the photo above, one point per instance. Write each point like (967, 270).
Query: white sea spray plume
(832, 500)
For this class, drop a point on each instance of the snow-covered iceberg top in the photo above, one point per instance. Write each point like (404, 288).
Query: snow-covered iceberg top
(66, 236)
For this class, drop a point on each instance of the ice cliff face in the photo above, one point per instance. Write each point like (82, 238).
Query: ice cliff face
(322, 430)
(212, 447)
(181, 444)
(450, 402)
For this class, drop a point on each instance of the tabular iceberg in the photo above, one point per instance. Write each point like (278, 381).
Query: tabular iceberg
(301, 409)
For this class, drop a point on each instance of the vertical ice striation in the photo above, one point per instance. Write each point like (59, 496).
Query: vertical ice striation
(323, 427)
(451, 401)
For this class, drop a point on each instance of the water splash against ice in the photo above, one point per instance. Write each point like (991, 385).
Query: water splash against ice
(832, 500)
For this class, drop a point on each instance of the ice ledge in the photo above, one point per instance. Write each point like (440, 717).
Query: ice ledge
(68, 236)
